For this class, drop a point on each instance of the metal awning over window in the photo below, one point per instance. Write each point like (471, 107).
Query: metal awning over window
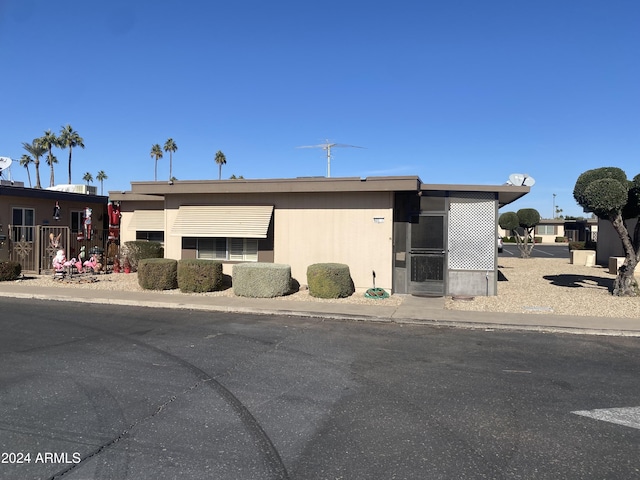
(147, 221)
(230, 221)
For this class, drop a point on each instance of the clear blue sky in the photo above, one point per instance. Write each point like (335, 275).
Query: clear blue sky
(455, 91)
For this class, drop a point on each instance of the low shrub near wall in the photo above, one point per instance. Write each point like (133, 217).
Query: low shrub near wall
(576, 246)
(138, 250)
(560, 239)
(198, 276)
(329, 280)
(158, 273)
(10, 271)
(261, 280)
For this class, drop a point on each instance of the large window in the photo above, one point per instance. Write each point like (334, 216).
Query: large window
(23, 224)
(237, 249)
(77, 221)
(546, 229)
(150, 235)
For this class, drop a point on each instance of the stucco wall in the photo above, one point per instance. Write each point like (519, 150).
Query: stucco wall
(312, 228)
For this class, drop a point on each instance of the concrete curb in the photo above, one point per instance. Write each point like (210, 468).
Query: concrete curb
(432, 322)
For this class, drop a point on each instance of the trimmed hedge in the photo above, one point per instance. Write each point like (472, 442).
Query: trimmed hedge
(158, 273)
(329, 280)
(139, 249)
(261, 280)
(10, 271)
(197, 276)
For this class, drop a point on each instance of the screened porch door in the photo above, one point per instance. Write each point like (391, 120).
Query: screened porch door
(426, 255)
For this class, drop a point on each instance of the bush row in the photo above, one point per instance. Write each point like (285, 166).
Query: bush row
(257, 280)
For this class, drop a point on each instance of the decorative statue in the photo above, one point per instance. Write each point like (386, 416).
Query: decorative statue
(87, 223)
(60, 262)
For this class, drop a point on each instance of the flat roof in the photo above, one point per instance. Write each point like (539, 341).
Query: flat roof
(16, 191)
(281, 185)
(506, 193)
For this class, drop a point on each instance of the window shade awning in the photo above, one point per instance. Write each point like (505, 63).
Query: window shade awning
(230, 221)
(147, 220)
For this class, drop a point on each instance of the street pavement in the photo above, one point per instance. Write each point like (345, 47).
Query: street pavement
(413, 310)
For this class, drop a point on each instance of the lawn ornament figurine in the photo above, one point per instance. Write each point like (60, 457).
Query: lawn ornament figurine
(87, 223)
(60, 263)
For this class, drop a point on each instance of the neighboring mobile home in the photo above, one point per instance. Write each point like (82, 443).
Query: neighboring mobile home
(29, 216)
(417, 238)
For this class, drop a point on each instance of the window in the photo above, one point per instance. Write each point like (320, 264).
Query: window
(150, 236)
(23, 224)
(546, 229)
(77, 221)
(235, 249)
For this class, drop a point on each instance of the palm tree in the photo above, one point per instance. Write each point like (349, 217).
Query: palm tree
(170, 146)
(48, 141)
(36, 150)
(50, 161)
(25, 161)
(69, 138)
(88, 178)
(220, 160)
(101, 177)
(156, 152)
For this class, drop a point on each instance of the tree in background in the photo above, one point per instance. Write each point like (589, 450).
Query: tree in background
(25, 161)
(101, 177)
(220, 160)
(156, 152)
(233, 177)
(171, 147)
(87, 178)
(611, 196)
(48, 141)
(69, 138)
(36, 150)
(525, 221)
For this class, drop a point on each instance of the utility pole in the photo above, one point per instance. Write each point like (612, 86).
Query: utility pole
(554, 206)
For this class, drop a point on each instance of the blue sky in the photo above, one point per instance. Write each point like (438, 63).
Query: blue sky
(455, 91)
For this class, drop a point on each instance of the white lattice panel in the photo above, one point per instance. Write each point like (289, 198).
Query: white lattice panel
(472, 231)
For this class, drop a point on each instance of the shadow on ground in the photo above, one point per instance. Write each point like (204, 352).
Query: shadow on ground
(580, 281)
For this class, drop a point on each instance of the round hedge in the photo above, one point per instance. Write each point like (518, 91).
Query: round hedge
(261, 280)
(329, 280)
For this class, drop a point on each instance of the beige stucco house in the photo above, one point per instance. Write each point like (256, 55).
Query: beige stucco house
(417, 238)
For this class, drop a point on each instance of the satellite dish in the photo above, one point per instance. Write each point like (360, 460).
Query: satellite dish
(521, 180)
(5, 162)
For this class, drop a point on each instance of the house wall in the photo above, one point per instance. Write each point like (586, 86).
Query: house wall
(609, 243)
(307, 228)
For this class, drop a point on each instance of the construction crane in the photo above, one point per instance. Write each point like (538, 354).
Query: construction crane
(328, 146)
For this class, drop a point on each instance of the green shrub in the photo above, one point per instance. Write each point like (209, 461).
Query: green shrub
(538, 239)
(199, 276)
(560, 239)
(576, 246)
(10, 271)
(261, 280)
(140, 249)
(158, 273)
(329, 280)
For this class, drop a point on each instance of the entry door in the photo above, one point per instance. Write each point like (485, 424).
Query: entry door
(427, 253)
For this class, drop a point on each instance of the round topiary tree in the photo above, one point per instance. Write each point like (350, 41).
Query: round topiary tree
(608, 193)
(522, 226)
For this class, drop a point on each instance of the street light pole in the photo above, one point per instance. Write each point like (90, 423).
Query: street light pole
(554, 206)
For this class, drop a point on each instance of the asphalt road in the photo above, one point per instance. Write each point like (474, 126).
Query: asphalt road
(108, 392)
(539, 251)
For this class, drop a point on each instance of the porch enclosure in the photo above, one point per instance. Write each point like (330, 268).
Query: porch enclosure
(35, 246)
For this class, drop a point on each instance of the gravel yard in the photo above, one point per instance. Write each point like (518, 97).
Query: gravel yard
(552, 285)
(533, 286)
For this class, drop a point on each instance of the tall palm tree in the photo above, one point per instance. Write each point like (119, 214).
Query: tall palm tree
(69, 138)
(156, 152)
(220, 160)
(51, 159)
(36, 150)
(25, 161)
(101, 177)
(87, 178)
(48, 141)
(170, 146)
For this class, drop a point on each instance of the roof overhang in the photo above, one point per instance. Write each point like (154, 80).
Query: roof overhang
(506, 193)
(288, 185)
